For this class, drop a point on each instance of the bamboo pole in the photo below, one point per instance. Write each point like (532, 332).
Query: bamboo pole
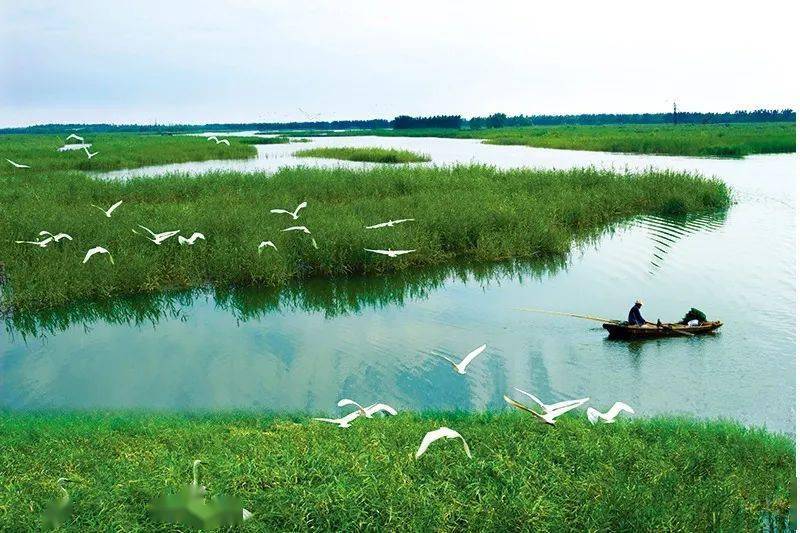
(585, 317)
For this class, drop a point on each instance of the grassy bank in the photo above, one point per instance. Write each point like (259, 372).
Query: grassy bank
(295, 474)
(469, 212)
(280, 139)
(115, 151)
(370, 155)
(718, 140)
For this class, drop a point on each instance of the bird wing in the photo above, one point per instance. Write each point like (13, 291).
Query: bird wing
(116, 205)
(299, 207)
(211, 138)
(280, 211)
(617, 408)
(348, 401)
(592, 414)
(470, 356)
(183, 240)
(527, 409)
(381, 225)
(383, 252)
(197, 235)
(225, 141)
(314, 243)
(401, 252)
(429, 437)
(60, 236)
(147, 230)
(400, 221)
(532, 397)
(566, 405)
(445, 358)
(296, 228)
(330, 420)
(89, 254)
(378, 407)
(45, 232)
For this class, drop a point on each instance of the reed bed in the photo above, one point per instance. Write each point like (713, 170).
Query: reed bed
(712, 140)
(465, 212)
(367, 155)
(664, 474)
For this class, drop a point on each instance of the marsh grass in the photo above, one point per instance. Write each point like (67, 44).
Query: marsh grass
(664, 474)
(713, 140)
(369, 155)
(474, 213)
(281, 139)
(116, 151)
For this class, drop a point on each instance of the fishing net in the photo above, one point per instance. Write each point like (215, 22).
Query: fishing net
(694, 314)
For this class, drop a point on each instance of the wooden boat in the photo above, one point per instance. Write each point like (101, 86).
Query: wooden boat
(648, 331)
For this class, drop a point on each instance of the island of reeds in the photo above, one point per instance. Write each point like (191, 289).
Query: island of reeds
(369, 155)
(292, 473)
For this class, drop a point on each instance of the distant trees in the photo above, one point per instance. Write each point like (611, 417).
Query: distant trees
(405, 122)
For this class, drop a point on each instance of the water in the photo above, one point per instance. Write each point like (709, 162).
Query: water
(306, 346)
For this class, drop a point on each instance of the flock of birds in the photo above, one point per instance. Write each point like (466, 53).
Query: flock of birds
(46, 237)
(548, 414)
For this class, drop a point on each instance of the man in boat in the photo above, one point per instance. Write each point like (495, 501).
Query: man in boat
(635, 316)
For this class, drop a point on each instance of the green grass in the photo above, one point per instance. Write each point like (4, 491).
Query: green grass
(370, 155)
(468, 212)
(280, 139)
(116, 151)
(664, 474)
(717, 140)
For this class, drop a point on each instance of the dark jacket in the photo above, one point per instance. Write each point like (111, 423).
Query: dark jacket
(635, 316)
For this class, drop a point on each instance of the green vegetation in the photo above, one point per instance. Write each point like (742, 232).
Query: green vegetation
(468, 212)
(370, 155)
(279, 139)
(295, 474)
(718, 140)
(115, 151)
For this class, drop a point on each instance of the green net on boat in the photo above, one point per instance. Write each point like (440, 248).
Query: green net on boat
(694, 314)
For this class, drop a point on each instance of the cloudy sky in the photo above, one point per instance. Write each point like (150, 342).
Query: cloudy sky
(247, 60)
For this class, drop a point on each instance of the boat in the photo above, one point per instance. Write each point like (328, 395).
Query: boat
(620, 330)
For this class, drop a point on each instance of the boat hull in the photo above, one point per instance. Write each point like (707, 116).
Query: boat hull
(619, 331)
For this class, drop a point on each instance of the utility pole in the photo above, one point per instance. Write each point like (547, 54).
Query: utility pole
(674, 113)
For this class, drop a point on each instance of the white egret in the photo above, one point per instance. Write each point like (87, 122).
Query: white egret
(73, 147)
(98, 250)
(73, 136)
(389, 224)
(158, 238)
(88, 153)
(347, 401)
(441, 433)
(264, 244)
(343, 422)
(217, 140)
(390, 252)
(41, 244)
(547, 417)
(294, 214)
(18, 165)
(298, 228)
(461, 367)
(608, 417)
(107, 212)
(57, 237)
(554, 406)
(196, 235)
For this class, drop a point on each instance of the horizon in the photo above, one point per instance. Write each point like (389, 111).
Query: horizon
(244, 62)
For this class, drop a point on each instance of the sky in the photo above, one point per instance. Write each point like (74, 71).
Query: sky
(198, 61)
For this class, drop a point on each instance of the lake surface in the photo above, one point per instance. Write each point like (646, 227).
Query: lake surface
(306, 346)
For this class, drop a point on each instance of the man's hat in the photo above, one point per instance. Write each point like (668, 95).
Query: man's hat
(639, 302)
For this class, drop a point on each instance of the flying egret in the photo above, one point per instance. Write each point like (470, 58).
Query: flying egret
(442, 432)
(389, 224)
(88, 153)
(158, 238)
(40, 244)
(343, 422)
(294, 214)
(390, 252)
(18, 165)
(347, 401)
(57, 237)
(107, 212)
(461, 367)
(73, 147)
(608, 417)
(58, 512)
(547, 408)
(298, 228)
(547, 417)
(265, 244)
(196, 235)
(380, 407)
(98, 250)
(217, 140)
(73, 136)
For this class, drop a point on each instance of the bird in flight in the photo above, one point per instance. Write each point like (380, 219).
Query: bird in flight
(389, 224)
(107, 212)
(264, 244)
(441, 433)
(76, 137)
(196, 235)
(294, 214)
(17, 165)
(158, 238)
(608, 417)
(390, 252)
(549, 417)
(298, 228)
(218, 141)
(347, 401)
(56, 237)
(343, 422)
(547, 408)
(461, 367)
(88, 153)
(98, 250)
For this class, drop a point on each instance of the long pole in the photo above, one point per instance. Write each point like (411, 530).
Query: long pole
(585, 317)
